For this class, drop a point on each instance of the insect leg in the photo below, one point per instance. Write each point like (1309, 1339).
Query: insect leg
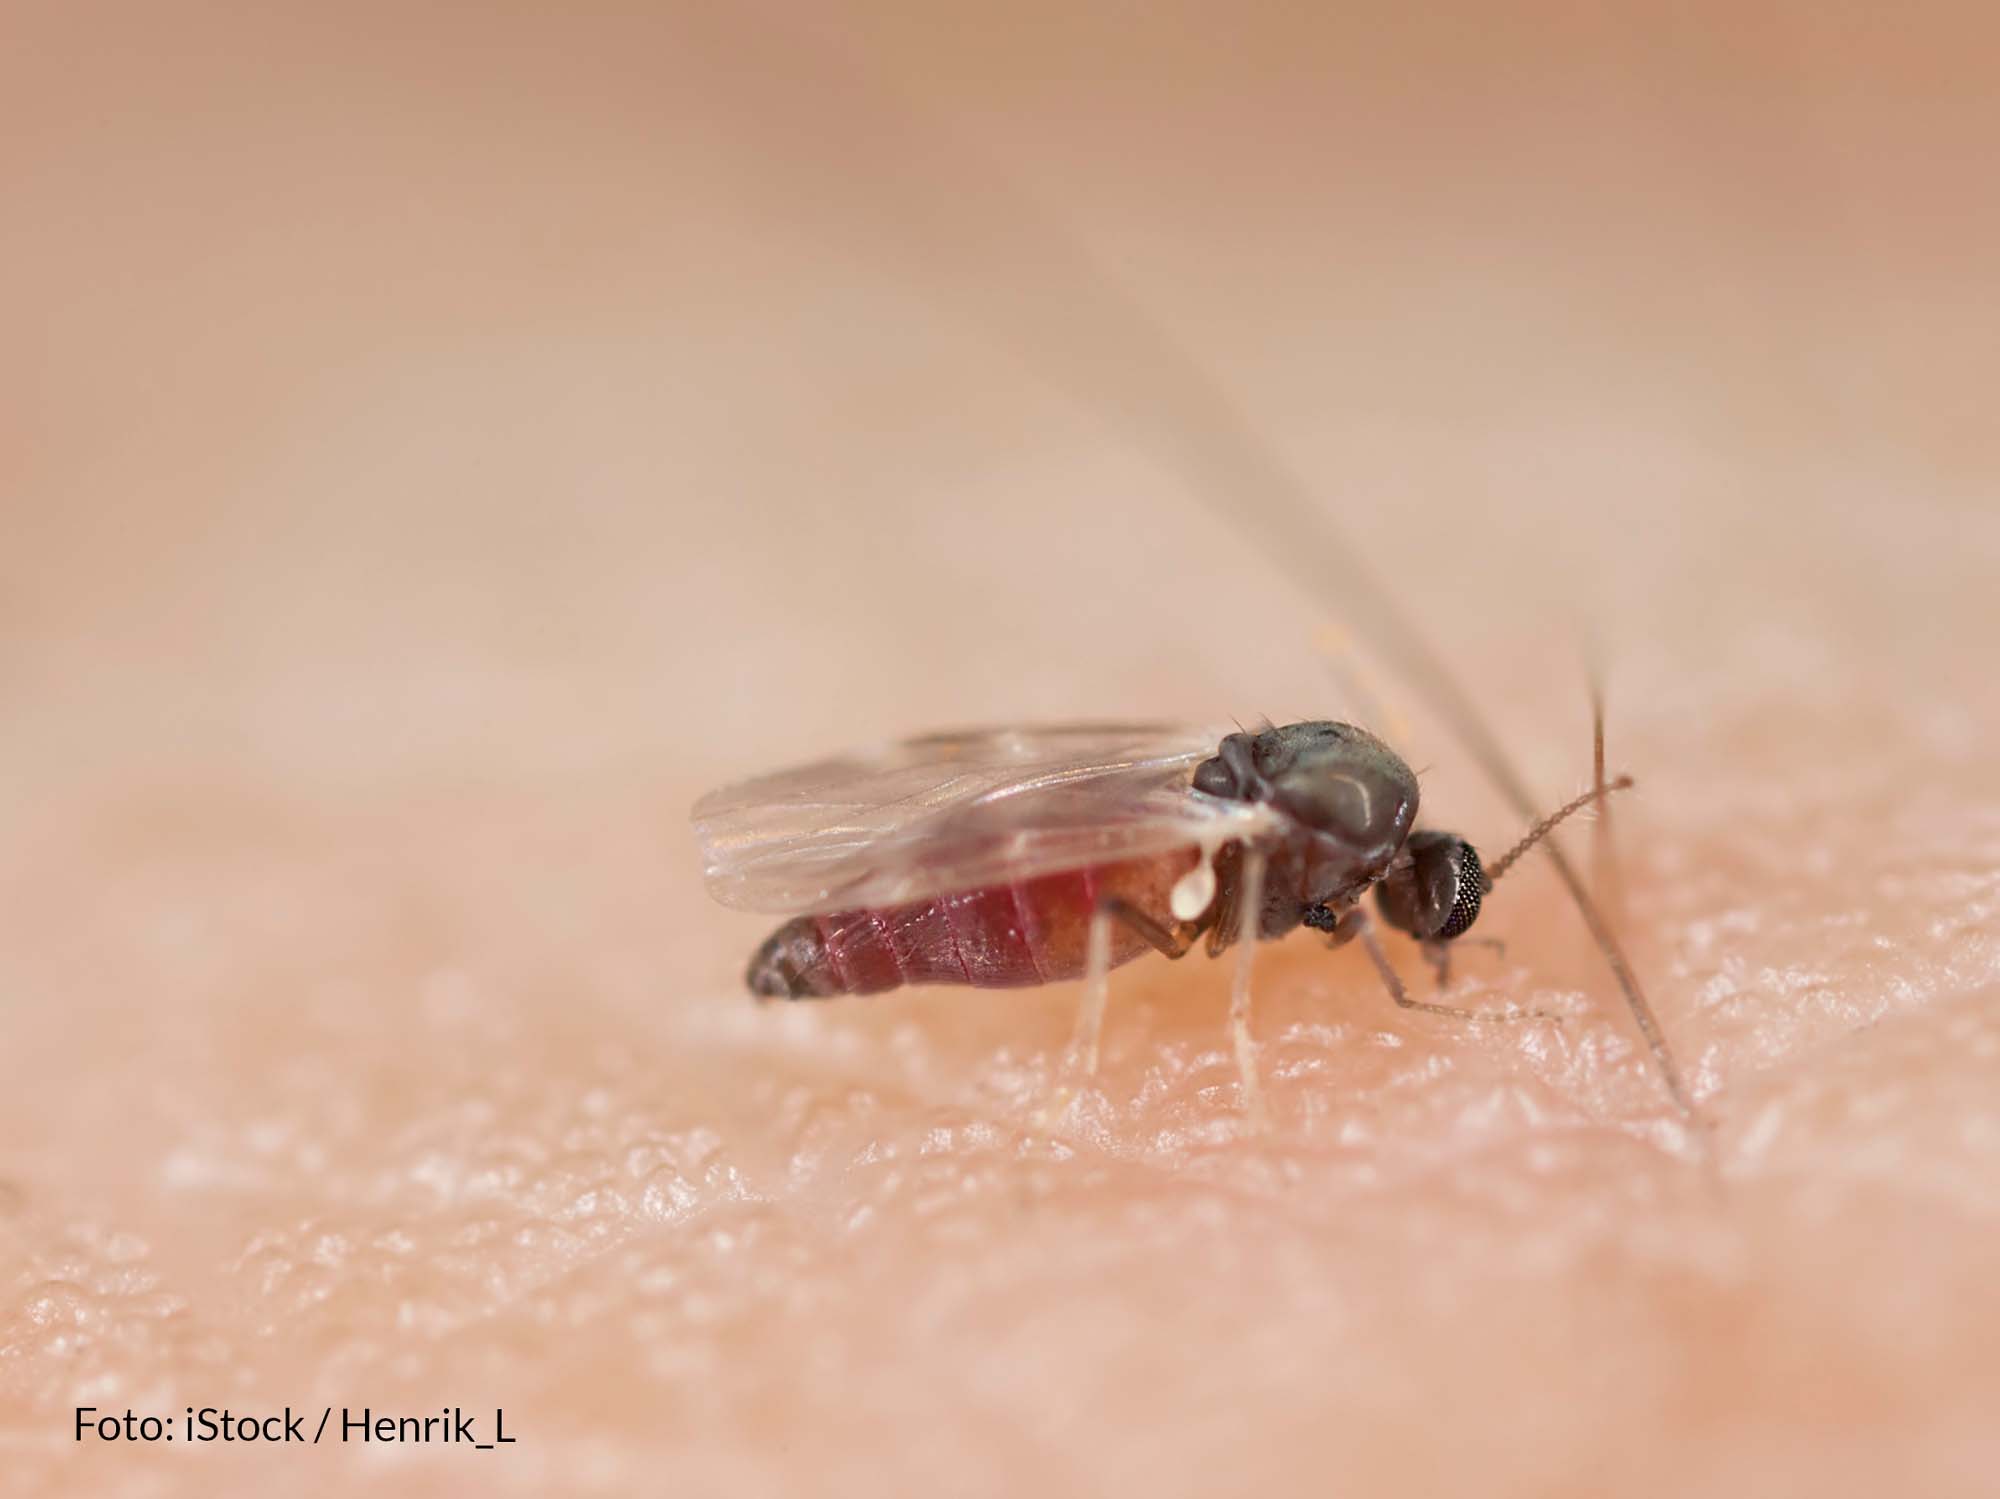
(1252, 905)
(1173, 941)
(1356, 924)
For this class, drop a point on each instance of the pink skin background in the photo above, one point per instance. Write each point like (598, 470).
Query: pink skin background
(438, 443)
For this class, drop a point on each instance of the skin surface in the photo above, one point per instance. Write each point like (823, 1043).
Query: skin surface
(441, 445)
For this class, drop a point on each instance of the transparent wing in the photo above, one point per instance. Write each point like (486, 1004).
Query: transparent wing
(958, 811)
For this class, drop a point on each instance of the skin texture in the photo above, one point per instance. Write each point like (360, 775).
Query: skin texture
(441, 446)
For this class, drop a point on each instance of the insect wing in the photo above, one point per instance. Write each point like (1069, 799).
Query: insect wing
(950, 812)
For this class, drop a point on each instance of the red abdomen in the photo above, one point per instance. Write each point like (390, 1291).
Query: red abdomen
(1001, 937)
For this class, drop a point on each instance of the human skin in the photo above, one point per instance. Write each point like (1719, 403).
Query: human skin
(441, 454)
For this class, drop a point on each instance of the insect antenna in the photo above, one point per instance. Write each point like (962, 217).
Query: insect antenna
(1550, 823)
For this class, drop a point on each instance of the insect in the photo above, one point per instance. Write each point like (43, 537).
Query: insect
(1010, 857)
(1036, 289)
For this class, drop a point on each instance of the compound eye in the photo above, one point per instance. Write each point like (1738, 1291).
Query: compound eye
(1471, 885)
(1435, 896)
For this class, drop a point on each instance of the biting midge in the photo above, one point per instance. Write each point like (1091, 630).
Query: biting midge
(1325, 812)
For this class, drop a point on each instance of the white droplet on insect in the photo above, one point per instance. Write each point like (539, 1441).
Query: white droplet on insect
(1194, 890)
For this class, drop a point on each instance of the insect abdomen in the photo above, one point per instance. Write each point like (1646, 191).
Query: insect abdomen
(1000, 937)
